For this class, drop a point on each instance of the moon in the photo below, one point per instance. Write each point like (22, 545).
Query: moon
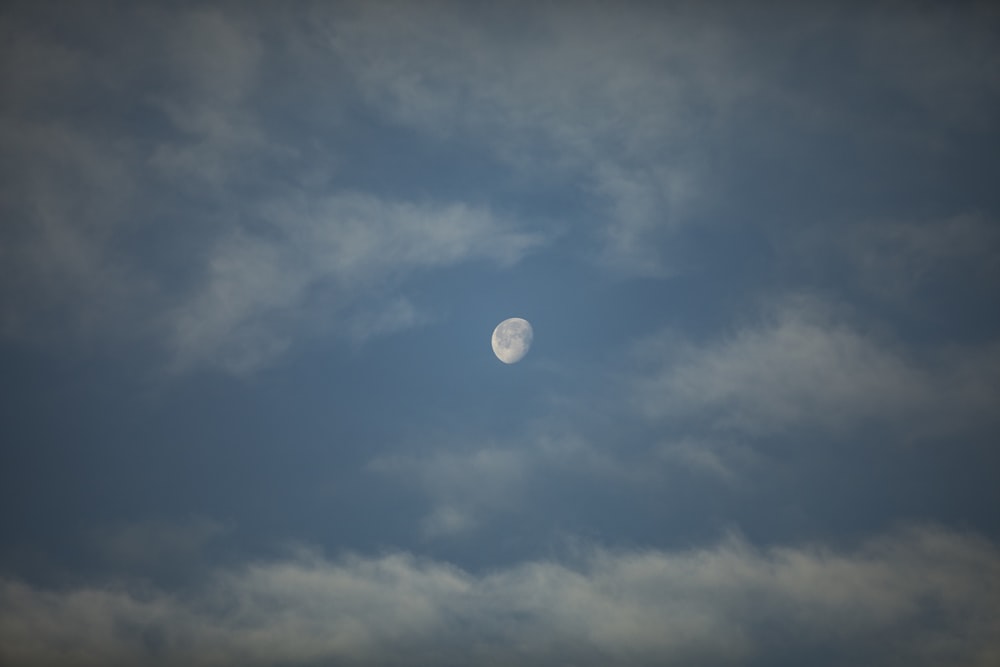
(512, 339)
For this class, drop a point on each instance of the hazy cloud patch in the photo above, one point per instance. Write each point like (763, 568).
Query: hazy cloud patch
(723, 461)
(900, 261)
(65, 201)
(462, 486)
(153, 543)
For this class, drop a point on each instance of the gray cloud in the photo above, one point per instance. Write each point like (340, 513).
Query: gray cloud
(632, 110)
(896, 259)
(938, 60)
(65, 198)
(77, 138)
(212, 63)
(719, 460)
(462, 486)
(642, 106)
(265, 238)
(156, 543)
(923, 596)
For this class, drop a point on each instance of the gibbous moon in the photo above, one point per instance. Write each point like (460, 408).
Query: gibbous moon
(512, 339)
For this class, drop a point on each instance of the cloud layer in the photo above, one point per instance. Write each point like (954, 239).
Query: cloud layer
(758, 243)
(921, 595)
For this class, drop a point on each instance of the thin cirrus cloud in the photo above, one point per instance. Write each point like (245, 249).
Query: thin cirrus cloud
(899, 261)
(463, 487)
(923, 594)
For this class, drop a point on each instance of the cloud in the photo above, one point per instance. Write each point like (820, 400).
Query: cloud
(212, 66)
(462, 486)
(643, 110)
(194, 122)
(155, 543)
(64, 199)
(323, 255)
(937, 60)
(921, 595)
(617, 103)
(719, 460)
(805, 366)
(188, 210)
(481, 491)
(78, 134)
(901, 261)
(393, 316)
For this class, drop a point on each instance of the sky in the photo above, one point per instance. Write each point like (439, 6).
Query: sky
(252, 255)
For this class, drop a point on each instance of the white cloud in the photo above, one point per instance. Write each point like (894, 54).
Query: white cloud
(310, 260)
(617, 101)
(804, 365)
(919, 596)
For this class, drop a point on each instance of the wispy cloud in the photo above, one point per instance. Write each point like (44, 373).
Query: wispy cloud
(925, 596)
(462, 486)
(63, 204)
(614, 102)
(468, 491)
(720, 460)
(900, 261)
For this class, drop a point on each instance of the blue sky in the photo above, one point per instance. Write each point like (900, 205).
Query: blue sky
(252, 255)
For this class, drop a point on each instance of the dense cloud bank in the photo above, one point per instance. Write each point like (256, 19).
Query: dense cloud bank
(915, 596)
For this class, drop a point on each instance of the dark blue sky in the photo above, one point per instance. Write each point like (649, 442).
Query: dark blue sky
(252, 255)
